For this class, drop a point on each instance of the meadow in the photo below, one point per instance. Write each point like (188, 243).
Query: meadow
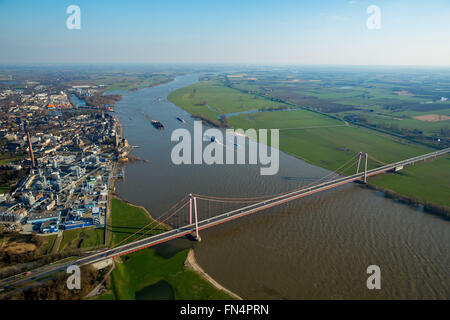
(82, 238)
(386, 100)
(7, 159)
(48, 243)
(211, 99)
(146, 267)
(427, 182)
(132, 83)
(127, 219)
(327, 145)
(314, 137)
(319, 139)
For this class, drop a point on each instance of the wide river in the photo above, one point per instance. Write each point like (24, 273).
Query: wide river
(318, 247)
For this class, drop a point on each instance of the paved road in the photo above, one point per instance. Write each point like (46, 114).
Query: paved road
(207, 223)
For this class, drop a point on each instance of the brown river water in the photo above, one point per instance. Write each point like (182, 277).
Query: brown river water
(318, 247)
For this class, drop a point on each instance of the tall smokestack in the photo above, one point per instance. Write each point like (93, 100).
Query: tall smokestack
(30, 148)
(117, 141)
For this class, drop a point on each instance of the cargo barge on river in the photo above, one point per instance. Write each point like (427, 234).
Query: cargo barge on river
(158, 125)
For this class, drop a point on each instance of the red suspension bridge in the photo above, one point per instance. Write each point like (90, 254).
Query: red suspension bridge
(196, 212)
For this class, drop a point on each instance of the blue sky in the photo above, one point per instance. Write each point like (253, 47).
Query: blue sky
(226, 31)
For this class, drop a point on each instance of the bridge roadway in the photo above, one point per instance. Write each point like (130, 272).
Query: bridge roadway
(207, 223)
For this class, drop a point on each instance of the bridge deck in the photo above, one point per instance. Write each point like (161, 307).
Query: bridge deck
(222, 218)
(207, 223)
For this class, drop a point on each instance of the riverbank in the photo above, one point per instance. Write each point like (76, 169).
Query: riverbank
(441, 211)
(129, 222)
(432, 202)
(424, 183)
(327, 144)
(150, 85)
(166, 226)
(341, 223)
(139, 276)
(128, 219)
(192, 264)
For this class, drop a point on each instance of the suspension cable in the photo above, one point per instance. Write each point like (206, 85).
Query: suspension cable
(376, 160)
(223, 200)
(162, 221)
(204, 197)
(151, 222)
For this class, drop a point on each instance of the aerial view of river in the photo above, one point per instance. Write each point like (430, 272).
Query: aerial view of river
(317, 247)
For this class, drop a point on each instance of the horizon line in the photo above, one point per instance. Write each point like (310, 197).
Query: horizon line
(218, 64)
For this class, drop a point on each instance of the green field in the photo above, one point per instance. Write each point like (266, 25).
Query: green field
(145, 268)
(82, 238)
(48, 244)
(386, 100)
(196, 98)
(324, 141)
(7, 158)
(122, 80)
(328, 147)
(318, 139)
(133, 83)
(127, 219)
(4, 189)
(396, 121)
(291, 119)
(427, 182)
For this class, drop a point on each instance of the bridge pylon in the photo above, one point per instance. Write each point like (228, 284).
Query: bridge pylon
(365, 168)
(359, 162)
(193, 200)
(190, 208)
(366, 156)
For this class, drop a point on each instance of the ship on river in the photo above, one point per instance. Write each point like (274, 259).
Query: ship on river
(158, 125)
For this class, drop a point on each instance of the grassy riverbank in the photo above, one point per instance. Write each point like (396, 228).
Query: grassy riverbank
(145, 268)
(323, 141)
(427, 182)
(316, 138)
(137, 271)
(126, 219)
(211, 99)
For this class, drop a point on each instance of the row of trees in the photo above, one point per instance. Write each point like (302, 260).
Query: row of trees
(56, 289)
(445, 132)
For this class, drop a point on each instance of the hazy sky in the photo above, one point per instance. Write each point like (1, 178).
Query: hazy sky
(226, 31)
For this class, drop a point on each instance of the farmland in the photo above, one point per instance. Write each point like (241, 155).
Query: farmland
(322, 138)
(426, 182)
(212, 98)
(327, 147)
(389, 100)
(303, 133)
